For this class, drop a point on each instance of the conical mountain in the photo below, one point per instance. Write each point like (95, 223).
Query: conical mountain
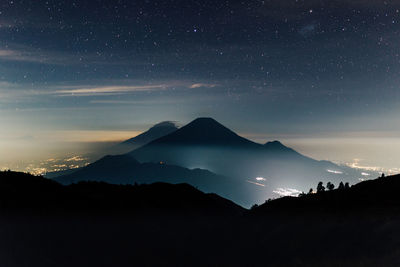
(204, 131)
(206, 143)
(159, 130)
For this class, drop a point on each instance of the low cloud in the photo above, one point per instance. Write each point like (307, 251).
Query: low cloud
(200, 85)
(12, 91)
(259, 184)
(286, 192)
(334, 171)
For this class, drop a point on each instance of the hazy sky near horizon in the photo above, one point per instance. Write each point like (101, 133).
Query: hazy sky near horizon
(103, 70)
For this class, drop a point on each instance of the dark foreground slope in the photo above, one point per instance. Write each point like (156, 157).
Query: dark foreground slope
(293, 237)
(379, 195)
(24, 192)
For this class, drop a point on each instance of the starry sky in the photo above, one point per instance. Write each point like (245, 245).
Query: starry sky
(317, 74)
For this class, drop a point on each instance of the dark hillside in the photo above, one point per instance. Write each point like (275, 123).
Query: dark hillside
(372, 195)
(19, 191)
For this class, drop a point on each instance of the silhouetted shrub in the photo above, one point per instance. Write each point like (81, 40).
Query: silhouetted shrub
(320, 187)
(346, 186)
(254, 206)
(268, 200)
(330, 186)
(341, 186)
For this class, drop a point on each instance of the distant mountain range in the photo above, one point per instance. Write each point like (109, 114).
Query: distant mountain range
(124, 169)
(243, 171)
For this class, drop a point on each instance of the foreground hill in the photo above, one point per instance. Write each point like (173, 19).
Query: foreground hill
(46, 224)
(19, 191)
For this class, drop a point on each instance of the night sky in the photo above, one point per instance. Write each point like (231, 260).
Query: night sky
(316, 74)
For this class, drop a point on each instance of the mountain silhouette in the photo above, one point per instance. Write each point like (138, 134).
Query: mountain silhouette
(158, 130)
(20, 191)
(204, 131)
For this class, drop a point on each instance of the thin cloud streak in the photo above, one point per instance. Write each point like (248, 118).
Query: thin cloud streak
(200, 85)
(25, 54)
(31, 56)
(122, 87)
(109, 90)
(117, 89)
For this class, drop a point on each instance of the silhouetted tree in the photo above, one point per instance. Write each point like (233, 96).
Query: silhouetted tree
(383, 175)
(346, 186)
(254, 206)
(330, 186)
(302, 194)
(341, 186)
(320, 187)
(310, 191)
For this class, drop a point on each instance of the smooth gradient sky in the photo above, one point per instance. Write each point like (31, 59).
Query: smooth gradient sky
(323, 76)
